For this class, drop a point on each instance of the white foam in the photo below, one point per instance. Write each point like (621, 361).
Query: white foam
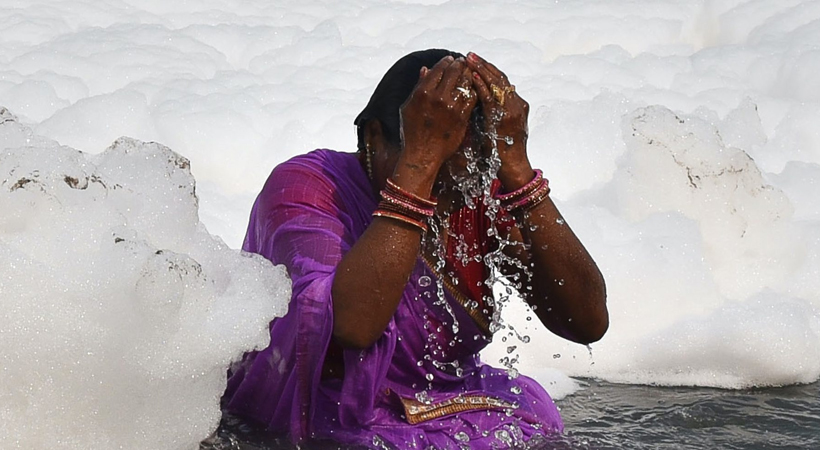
(121, 312)
(691, 270)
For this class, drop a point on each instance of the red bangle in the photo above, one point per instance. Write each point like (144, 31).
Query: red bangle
(523, 190)
(401, 218)
(388, 197)
(533, 199)
(397, 191)
(528, 196)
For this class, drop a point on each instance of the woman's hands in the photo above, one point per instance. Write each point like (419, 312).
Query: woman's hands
(505, 121)
(434, 119)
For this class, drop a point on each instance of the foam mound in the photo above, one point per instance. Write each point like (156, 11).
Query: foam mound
(120, 312)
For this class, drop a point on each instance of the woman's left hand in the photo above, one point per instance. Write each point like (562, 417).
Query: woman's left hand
(505, 121)
(565, 283)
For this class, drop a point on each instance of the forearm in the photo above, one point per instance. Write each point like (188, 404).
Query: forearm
(372, 276)
(370, 279)
(565, 284)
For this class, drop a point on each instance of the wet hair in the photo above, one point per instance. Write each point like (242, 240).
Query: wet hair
(393, 90)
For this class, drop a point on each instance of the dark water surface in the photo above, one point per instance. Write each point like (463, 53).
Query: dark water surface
(617, 416)
(613, 416)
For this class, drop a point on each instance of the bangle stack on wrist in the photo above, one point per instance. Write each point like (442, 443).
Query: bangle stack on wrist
(528, 196)
(405, 206)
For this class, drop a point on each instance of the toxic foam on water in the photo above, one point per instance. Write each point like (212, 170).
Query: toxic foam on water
(120, 313)
(712, 272)
(239, 87)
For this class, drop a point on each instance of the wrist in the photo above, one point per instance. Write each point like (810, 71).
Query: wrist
(526, 197)
(515, 176)
(416, 173)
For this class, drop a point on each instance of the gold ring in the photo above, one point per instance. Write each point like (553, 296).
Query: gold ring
(500, 93)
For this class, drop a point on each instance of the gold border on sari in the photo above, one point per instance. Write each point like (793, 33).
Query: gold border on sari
(417, 412)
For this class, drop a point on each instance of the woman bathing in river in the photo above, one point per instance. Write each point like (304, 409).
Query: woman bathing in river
(393, 252)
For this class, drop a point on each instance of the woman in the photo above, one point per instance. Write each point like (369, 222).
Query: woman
(391, 265)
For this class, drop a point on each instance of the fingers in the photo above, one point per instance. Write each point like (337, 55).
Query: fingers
(462, 89)
(453, 75)
(450, 80)
(488, 72)
(454, 84)
(482, 90)
(430, 78)
(467, 102)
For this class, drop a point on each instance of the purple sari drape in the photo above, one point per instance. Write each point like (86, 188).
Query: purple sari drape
(420, 384)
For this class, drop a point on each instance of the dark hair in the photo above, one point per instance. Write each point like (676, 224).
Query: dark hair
(393, 90)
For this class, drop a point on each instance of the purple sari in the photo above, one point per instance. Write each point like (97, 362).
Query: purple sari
(420, 384)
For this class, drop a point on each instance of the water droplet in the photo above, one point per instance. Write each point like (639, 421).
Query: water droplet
(420, 363)
(561, 282)
(556, 356)
(424, 397)
(515, 389)
(429, 377)
(525, 339)
(511, 349)
(529, 318)
(425, 281)
(533, 227)
(503, 436)
(462, 437)
(559, 221)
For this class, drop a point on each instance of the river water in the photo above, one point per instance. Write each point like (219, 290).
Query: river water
(618, 416)
(612, 416)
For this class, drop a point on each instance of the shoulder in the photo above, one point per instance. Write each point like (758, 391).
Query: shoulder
(319, 159)
(320, 164)
(312, 176)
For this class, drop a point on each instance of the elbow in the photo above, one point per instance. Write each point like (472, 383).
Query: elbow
(353, 342)
(354, 338)
(594, 331)
(597, 320)
(594, 321)
(598, 316)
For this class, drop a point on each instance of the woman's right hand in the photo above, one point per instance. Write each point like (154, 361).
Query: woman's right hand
(435, 117)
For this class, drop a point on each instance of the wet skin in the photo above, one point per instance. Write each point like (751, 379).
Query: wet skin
(567, 288)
